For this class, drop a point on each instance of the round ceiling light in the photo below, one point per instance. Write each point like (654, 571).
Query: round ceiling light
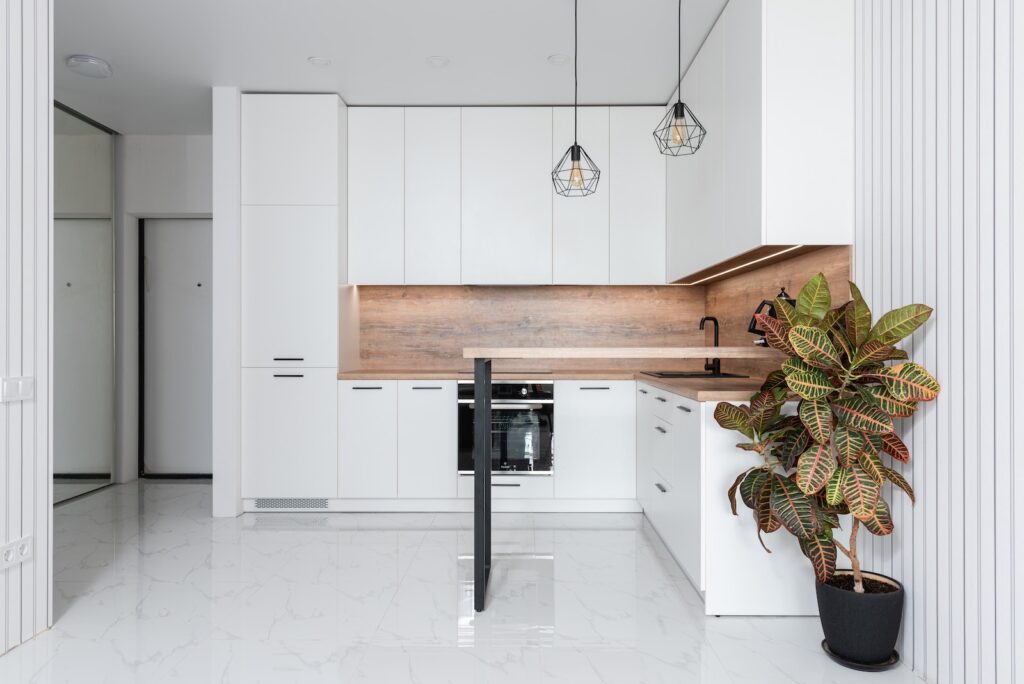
(438, 61)
(319, 61)
(558, 58)
(87, 65)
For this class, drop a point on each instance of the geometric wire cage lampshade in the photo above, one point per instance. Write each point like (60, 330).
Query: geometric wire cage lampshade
(576, 174)
(679, 132)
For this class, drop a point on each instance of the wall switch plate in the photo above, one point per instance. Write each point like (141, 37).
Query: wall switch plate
(15, 552)
(18, 389)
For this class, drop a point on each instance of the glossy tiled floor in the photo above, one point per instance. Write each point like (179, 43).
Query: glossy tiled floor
(150, 588)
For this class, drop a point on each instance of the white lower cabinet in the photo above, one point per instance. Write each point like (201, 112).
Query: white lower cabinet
(595, 440)
(367, 439)
(427, 439)
(511, 486)
(289, 433)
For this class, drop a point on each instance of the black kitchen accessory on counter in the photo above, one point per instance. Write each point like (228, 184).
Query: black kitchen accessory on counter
(770, 303)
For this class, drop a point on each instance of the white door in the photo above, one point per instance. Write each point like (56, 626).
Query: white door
(368, 439)
(177, 346)
(83, 347)
(428, 441)
(595, 453)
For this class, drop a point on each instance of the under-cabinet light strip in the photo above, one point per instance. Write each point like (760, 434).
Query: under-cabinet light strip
(745, 265)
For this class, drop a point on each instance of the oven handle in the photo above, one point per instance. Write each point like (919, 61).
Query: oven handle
(528, 406)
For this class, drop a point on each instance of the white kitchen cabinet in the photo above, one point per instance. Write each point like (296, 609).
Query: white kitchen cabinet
(433, 195)
(773, 85)
(427, 439)
(511, 486)
(290, 149)
(376, 192)
(368, 439)
(686, 478)
(636, 198)
(645, 442)
(289, 286)
(289, 433)
(580, 230)
(595, 450)
(506, 195)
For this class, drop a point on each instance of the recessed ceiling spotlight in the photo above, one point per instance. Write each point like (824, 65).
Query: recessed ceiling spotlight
(87, 65)
(438, 61)
(558, 58)
(319, 61)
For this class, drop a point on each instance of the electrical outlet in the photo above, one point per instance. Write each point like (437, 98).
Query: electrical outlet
(15, 552)
(17, 389)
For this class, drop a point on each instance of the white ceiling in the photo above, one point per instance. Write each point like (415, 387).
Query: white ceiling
(167, 55)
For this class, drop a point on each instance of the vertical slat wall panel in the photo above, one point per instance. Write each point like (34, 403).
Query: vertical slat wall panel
(939, 164)
(25, 207)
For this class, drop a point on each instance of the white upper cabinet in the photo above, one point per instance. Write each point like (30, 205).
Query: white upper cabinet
(289, 286)
(433, 195)
(773, 86)
(636, 198)
(506, 195)
(290, 149)
(580, 230)
(376, 192)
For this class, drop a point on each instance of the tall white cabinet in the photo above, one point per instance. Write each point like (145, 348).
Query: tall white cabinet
(293, 189)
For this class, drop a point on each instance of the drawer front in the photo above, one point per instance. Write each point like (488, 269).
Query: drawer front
(511, 487)
(662, 404)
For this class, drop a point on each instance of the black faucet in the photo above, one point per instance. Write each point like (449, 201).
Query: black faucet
(713, 365)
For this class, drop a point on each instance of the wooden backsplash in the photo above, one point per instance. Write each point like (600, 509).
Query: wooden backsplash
(427, 327)
(733, 300)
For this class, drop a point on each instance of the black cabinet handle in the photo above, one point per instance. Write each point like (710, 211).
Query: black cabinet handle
(661, 399)
(506, 484)
(684, 408)
(597, 388)
(427, 388)
(289, 375)
(661, 487)
(643, 391)
(289, 358)
(660, 429)
(367, 388)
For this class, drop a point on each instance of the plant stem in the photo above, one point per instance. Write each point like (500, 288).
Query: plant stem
(858, 577)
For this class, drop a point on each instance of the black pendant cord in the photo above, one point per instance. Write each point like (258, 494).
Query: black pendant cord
(679, 53)
(575, 68)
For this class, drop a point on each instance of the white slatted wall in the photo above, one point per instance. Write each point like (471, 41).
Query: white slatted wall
(26, 122)
(939, 169)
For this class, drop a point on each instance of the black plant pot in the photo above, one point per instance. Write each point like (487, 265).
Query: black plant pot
(861, 629)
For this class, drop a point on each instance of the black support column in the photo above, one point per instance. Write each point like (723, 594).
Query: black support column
(481, 480)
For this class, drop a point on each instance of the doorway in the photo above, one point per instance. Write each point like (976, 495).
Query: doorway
(176, 331)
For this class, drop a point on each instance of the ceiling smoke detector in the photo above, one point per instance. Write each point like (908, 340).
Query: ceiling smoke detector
(87, 65)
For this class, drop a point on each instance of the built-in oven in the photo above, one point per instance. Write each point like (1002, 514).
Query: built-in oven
(522, 427)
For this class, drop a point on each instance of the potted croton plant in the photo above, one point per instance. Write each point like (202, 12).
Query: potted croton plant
(832, 457)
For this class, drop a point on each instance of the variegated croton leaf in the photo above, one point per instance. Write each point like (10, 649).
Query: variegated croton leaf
(814, 468)
(910, 382)
(872, 352)
(810, 384)
(894, 446)
(879, 522)
(814, 346)
(814, 299)
(733, 417)
(898, 480)
(880, 397)
(816, 416)
(849, 443)
(794, 509)
(858, 318)
(834, 488)
(856, 413)
(899, 323)
(820, 549)
(860, 491)
(753, 482)
(776, 333)
(775, 379)
(765, 407)
(787, 314)
(733, 488)
(795, 443)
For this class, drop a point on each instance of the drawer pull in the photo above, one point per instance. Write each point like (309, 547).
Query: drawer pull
(643, 391)
(662, 399)
(661, 487)
(427, 388)
(685, 409)
(597, 388)
(367, 388)
(289, 375)
(506, 484)
(289, 358)
(660, 429)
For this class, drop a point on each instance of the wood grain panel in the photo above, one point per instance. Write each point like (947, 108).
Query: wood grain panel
(734, 299)
(428, 327)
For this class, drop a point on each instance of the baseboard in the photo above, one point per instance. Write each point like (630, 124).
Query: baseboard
(463, 506)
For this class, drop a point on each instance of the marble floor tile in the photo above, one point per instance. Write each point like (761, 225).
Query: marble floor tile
(150, 588)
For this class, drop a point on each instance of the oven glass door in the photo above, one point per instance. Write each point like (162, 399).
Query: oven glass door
(520, 437)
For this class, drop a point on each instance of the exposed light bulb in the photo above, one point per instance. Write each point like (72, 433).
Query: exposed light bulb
(576, 175)
(678, 132)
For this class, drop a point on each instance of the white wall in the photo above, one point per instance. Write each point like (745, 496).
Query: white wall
(26, 203)
(158, 176)
(939, 176)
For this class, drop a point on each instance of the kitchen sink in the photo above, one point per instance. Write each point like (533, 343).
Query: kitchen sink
(692, 374)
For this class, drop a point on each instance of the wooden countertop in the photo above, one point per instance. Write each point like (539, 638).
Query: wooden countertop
(698, 389)
(748, 352)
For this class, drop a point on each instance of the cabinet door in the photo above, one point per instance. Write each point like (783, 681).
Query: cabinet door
(580, 229)
(290, 149)
(427, 439)
(367, 440)
(595, 428)
(637, 198)
(506, 195)
(289, 432)
(685, 444)
(376, 191)
(290, 286)
(433, 195)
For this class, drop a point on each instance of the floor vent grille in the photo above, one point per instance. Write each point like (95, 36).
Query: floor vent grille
(293, 504)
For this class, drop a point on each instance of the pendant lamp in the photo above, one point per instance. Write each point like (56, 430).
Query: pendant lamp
(576, 174)
(679, 132)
